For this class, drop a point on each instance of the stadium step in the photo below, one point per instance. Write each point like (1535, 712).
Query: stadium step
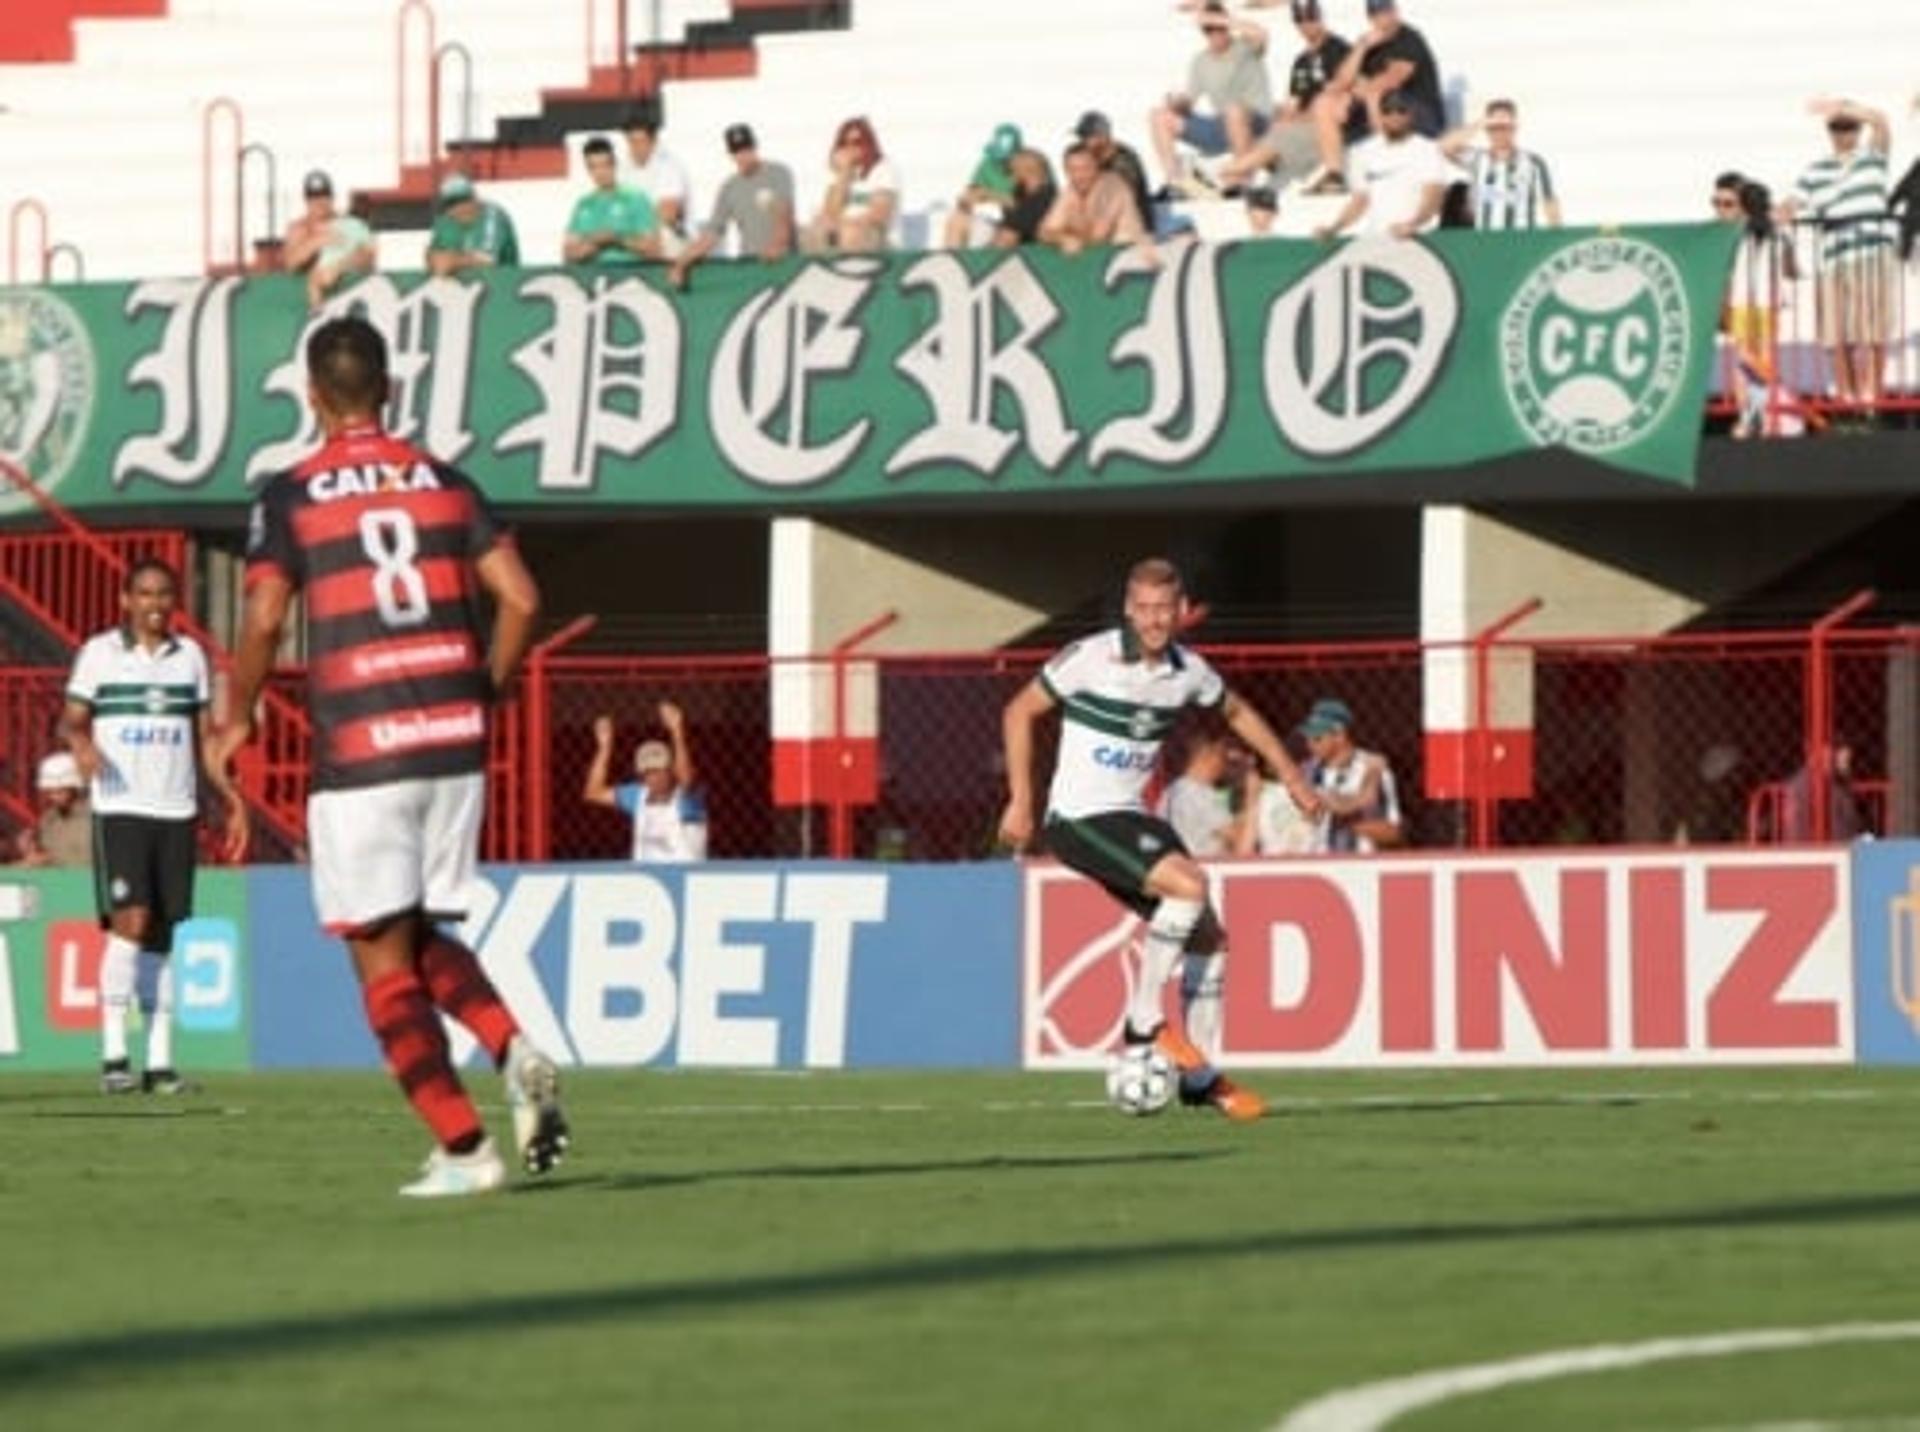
(41, 31)
(534, 146)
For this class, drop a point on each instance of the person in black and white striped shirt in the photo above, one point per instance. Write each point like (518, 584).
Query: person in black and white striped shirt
(1509, 187)
(1846, 194)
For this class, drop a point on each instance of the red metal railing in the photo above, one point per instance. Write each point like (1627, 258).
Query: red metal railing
(1703, 738)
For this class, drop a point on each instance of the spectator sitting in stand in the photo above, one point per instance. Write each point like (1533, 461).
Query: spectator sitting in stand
(611, 223)
(468, 232)
(1846, 193)
(1356, 787)
(1033, 194)
(863, 197)
(1294, 146)
(329, 247)
(1763, 264)
(1095, 131)
(1198, 803)
(1510, 187)
(1093, 208)
(757, 200)
(990, 192)
(669, 818)
(63, 834)
(658, 175)
(1390, 58)
(1399, 179)
(1263, 211)
(1227, 103)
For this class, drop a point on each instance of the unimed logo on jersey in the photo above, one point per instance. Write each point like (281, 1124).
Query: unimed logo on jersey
(1599, 959)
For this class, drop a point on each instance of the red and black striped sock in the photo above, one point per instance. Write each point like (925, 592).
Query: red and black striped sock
(410, 1035)
(460, 987)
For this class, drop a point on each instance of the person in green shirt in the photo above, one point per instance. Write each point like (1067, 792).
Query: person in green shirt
(468, 232)
(611, 223)
(991, 187)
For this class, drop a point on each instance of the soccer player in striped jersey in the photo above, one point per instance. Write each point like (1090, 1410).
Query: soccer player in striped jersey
(1509, 187)
(393, 551)
(1120, 693)
(1846, 194)
(136, 721)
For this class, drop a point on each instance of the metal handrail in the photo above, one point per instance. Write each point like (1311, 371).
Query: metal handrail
(20, 210)
(408, 10)
(453, 49)
(208, 116)
(271, 161)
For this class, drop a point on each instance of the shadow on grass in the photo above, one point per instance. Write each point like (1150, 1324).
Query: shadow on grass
(992, 1163)
(38, 1368)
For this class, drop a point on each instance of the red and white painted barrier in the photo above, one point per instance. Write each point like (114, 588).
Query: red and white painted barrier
(1635, 958)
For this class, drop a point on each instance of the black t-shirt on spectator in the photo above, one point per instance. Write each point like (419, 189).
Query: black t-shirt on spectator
(1027, 212)
(1313, 68)
(1124, 162)
(1423, 85)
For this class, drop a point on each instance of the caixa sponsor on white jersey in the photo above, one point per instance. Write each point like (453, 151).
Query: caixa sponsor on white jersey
(1578, 959)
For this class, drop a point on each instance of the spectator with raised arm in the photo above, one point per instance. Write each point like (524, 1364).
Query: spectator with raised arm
(1389, 58)
(1845, 193)
(669, 817)
(469, 232)
(1356, 787)
(612, 225)
(756, 202)
(863, 196)
(1294, 146)
(1228, 102)
(329, 247)
(1094, 208)
(1398, 179)
(1508, 187)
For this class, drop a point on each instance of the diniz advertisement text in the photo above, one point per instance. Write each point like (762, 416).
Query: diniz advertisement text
(1579, 959)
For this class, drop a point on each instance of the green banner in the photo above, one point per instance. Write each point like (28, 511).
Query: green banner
(809, 384)
(50, 946)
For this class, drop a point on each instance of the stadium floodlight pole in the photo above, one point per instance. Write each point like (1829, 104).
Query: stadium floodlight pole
(1481, 764)
(1819, 712)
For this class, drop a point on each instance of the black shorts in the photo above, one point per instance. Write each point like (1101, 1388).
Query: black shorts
(1116, 850)
(140, 862)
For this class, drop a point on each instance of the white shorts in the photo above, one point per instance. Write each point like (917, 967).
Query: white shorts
(384, 850)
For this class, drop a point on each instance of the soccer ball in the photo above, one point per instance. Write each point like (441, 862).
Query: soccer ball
(1141, 1080)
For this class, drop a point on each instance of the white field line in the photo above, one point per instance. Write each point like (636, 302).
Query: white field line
(1374, 1405)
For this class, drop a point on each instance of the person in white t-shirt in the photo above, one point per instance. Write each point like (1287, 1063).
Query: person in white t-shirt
(658, 175)
(863, 197)
(669, 817)
(1398, 179)
(1356, 787)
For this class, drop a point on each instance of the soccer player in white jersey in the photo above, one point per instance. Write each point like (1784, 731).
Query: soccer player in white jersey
(136, 720)
(1120, 692)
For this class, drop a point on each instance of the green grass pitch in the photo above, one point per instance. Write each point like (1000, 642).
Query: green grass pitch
(980, 1251)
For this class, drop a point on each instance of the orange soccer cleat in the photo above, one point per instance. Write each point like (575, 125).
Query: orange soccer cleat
(1178, 1050)
(1240, 1105)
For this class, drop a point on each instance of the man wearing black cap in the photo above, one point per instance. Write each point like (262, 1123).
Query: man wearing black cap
(1263, 209)
(1391, 57)
(1399, 179)
(324, 244)
(1095, 131)
(1294, 146)
(757, 200)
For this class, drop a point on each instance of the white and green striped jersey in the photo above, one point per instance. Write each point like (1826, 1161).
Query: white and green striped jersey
(1847, 194)
(1116, 709)
(145, 705)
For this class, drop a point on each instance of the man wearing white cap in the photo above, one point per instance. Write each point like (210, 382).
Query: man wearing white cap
(64, 833)
(669, 817)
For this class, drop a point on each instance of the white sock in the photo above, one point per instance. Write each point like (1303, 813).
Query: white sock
(1167, 934)
(116, 993)
(1202, 978)
(158, 1008)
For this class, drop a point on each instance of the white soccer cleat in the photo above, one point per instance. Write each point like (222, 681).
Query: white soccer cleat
(447, 1175)
(540, 1130)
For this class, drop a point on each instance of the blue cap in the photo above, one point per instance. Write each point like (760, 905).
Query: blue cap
(1380, 7)
(1329, 713)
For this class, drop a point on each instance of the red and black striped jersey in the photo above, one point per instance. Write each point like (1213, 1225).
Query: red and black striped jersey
(383, 540)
